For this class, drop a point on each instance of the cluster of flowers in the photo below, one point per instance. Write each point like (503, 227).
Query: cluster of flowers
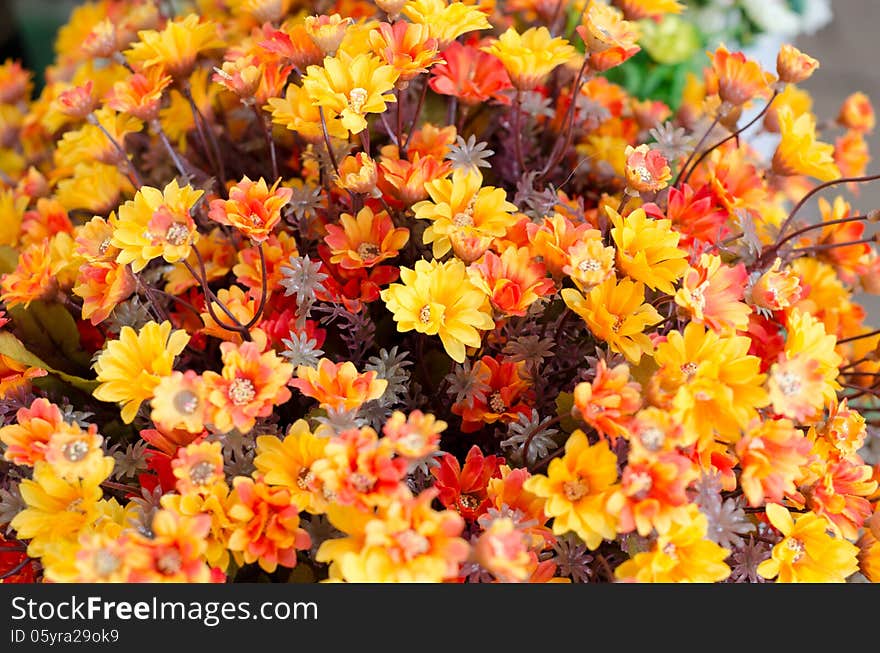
(409, 291)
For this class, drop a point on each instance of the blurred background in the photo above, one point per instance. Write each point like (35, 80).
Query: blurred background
(841, 34)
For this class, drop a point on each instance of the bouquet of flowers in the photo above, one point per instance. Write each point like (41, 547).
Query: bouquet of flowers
(409, 290)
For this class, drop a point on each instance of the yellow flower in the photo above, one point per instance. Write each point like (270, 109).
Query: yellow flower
(12, 208)
(590, 261)
(56, 509)
(577, 487)
(94, 187)
(296, 112)
(809, 552)
(683, 554)
(464, 216)
(647, 249)
(709, 382)
(77, 454)
(177, 46)
(616, 312)
(156, 223)
(531, 56)
(446, 21)
(350, 87)
(405, 541)
(439, 299)
(89, 143)
(288, 463)
(798, 152)
(804, 379)
(130, 368)
(213, 503)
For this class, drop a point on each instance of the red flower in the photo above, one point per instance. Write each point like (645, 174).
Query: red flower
(471, 75)
(693, 214)
(501, 402)
(464, 488)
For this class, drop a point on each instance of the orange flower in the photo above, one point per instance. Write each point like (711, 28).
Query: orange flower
(851, 155)
(739, 79)
(503, 399)
(327, 31)
(776, 289)
(471, 75)
(857, 113)
(616, 313)
(513, 281)
(140, 95)
(771, 454)
(464, 487)
(590, 261)
(503, 550)
(175, 553)
(639, 9)
(198, 466)
(250, 385)
(78, 101)
(845, 429)
(293, 43)
(408, 47)
(252, 208)
(793, 66)
(652, 493)
(413, 436)
(102, 288)
(364, 241)
(236, 302)
(26, 439)
(850, 261)
(358, 468)
(265, 525)
(218, 255)
(358, 174)
(604, 30)
(32, 278)
(647, 171)
(338, 386)
(841, 495)
(405, 180)
(710, 294)
(608, 401)
(277, 250)
(552, 239)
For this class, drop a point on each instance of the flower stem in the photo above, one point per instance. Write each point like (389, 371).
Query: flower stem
(270, 143)
(327, 143)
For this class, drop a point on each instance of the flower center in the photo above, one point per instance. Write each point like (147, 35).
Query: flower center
(241, 391)
(186, 402)
(670, 550)
(356, 98)
(75, 451)
(469, 501)
(304, 478)
(425, 314)
(575, 490)
(104, 246)
(361, 482)
(412, 544)
(689, 369)
(106, 562)
(169, 562)
(640, 484)
(201, 473)
(653, 438)
(795, 547)
(177, 233)
(496, 403)
(644, 174)
(368, 251)
(463, 219)
(788, 382)
(589, 265)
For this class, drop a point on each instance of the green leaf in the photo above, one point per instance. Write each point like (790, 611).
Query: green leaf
(15, 349)
(49, 331)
